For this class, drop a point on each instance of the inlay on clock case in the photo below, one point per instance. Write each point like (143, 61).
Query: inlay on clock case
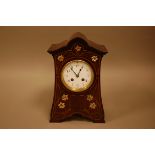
(77, 102)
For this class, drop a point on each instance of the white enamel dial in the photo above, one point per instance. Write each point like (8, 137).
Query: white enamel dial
(77, 75)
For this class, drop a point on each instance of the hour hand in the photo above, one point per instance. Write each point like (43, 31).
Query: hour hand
(80, 71)
(74, 72)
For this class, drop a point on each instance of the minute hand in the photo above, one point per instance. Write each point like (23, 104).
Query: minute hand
(74, 72)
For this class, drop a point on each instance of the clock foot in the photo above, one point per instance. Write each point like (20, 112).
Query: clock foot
(55, 121)
(99, 121)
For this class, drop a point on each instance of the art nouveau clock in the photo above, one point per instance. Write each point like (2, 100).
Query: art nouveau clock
(77, 79)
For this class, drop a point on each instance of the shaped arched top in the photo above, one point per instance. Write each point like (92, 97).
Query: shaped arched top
(77, 36)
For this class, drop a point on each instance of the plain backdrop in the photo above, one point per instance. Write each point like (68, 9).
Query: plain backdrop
(27, 76)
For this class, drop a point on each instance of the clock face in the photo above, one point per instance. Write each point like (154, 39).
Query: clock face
(77, 75)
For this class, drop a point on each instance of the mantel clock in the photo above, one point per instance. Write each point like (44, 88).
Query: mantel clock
(77, 79)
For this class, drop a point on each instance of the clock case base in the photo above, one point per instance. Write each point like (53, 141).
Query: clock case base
(53, 120)
(77, 102)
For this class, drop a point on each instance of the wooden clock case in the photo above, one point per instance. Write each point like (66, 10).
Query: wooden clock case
(87, 103)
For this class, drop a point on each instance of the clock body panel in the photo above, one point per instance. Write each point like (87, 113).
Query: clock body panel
(83, 100)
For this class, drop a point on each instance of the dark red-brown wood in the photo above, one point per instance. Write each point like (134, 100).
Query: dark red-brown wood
(77, 102)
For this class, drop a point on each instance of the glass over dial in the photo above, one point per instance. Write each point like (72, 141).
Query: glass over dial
(77, 75)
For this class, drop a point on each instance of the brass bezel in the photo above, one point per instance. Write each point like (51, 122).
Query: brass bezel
(79, 89)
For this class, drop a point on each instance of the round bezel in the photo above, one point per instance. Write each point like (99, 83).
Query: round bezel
(81, 88)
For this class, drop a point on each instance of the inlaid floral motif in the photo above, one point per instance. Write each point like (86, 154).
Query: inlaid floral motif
(64, 97)
(61, 105)
(78, 48)
(89, 97)
(92, 105)
(94, 58)
(60, 58)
